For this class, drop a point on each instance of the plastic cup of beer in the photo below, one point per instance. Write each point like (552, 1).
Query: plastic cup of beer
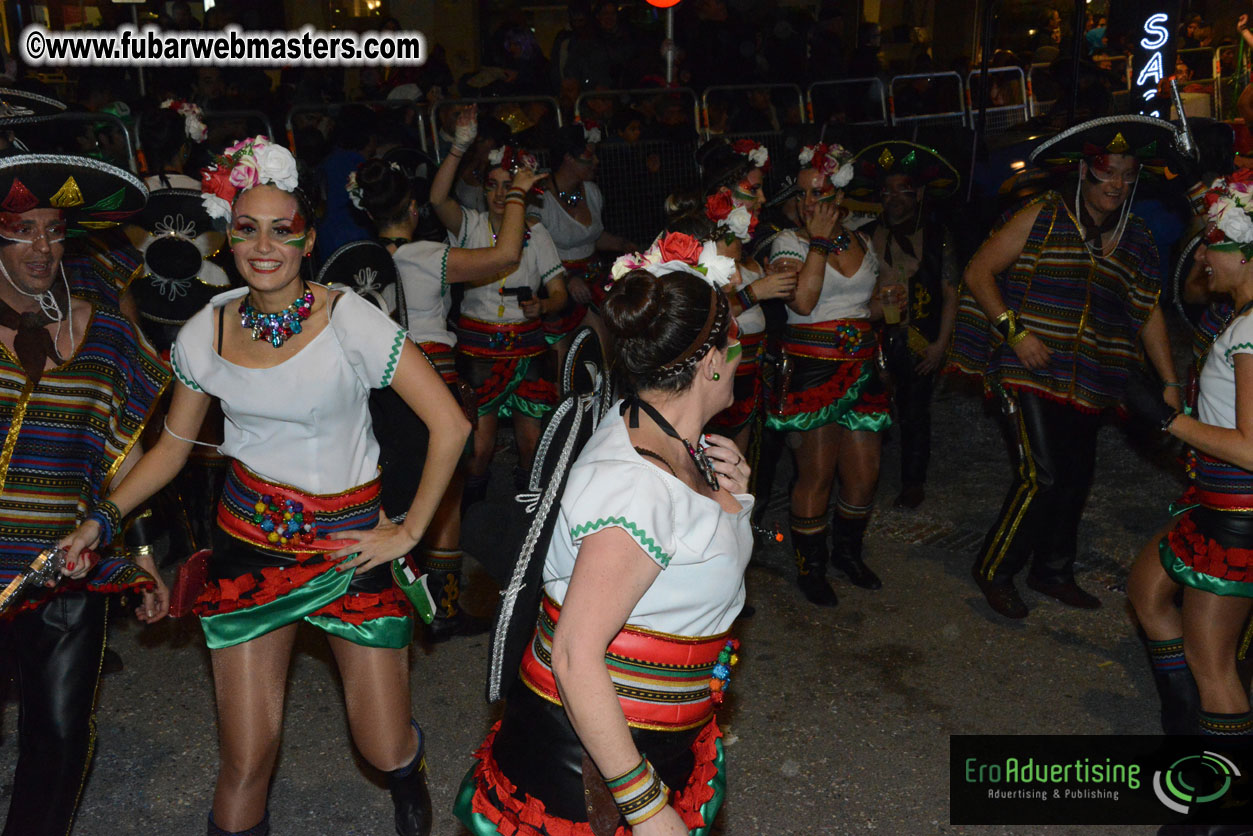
(891, 297)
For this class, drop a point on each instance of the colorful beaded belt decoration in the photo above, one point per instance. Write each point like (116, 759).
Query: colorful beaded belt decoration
(839, 339)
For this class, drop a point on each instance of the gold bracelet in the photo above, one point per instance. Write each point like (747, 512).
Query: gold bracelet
(145, 550)
(1017, 337)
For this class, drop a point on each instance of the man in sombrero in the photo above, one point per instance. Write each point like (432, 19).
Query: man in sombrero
(918, 271)
(77, 384)
(1056, 305)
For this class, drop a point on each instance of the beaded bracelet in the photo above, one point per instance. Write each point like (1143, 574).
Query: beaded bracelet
(746, 297)
(639, 793)
(821, 245)
(109, 518)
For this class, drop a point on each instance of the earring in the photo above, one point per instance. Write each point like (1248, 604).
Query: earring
(717, 376)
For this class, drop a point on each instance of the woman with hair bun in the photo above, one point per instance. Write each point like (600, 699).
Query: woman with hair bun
(646, 562)
(831, 393)
(426, 269)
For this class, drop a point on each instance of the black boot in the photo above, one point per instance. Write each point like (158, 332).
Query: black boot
(410, 795)
(261, 828)
(443, 569)
(846, 536)
(811, 568)
(1181, 703)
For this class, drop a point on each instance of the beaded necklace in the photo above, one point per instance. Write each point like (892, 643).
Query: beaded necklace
(571, 198)
(276, 328)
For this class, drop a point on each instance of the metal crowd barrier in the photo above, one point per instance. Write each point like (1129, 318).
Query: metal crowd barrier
(868, 106)
(1000, 117)
(718, 90)
(333, 109)
(488, 105)
(955, 115)
(636, 179)
(637, 92)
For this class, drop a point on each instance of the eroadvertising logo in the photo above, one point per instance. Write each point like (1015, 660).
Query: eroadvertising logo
(1044, 780)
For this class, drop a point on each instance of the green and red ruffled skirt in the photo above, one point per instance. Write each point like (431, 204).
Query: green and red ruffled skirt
(833, 379)
(270, 567)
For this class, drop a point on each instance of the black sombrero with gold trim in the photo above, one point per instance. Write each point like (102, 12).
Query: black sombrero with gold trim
(93, 195)
(922, 165)
(1143, 137)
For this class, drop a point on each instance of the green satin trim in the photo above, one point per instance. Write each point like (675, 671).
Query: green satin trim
(859, 422)
(232, 628)
(390, 631)
(709, 810)
(463, 808)
(840, 412)
(1186, 575)
(523, 406)
(1177, 509)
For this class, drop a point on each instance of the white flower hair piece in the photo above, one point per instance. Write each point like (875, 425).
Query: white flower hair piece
(495, 156)
(738, 223)
(714, 269)
(355, 192)
(832, 160)
(592, 135)
(193, 118)
(251, 162)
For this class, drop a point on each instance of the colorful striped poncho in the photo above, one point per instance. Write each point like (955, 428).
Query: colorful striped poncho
(65, 438)
(1087, 310)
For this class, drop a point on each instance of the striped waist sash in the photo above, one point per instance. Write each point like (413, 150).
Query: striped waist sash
(504, 339)
(443, 358)
(751, 357)
(1223, 486)
(281, 518)
(662, 681)
(838, 339)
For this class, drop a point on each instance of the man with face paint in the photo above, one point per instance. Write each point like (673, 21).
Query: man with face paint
(918, 276)
(1057, 304)
(77, 384)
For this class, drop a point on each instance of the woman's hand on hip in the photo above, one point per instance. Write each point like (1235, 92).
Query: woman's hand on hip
(372, 547)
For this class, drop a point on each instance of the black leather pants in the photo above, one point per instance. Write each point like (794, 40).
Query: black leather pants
(911, 393)
(537, 749)
(1052, 448)
(56, 652)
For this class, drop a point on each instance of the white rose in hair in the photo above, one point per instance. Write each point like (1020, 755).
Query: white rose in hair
(276, 165)
(759, 156)
(737, 222)
(842, 177)
(806, 156)
(592, 136)
(1236, 224)
(215, 207)
(495, 156)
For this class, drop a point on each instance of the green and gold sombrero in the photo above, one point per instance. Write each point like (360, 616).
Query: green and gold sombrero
(92, 194)
(1144, 137)
(922, 165)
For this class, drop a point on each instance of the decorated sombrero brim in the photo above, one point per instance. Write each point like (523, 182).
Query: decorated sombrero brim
(364, 267)
(93, 195)
(924, 166)
(19, 107)
(178, 212)
(1144, 137)
(1183, 268)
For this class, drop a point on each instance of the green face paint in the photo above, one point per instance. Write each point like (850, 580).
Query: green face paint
(298, 242)
(734, 350)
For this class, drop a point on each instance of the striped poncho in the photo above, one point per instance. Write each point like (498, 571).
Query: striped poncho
(65, 438)
(1088, 310)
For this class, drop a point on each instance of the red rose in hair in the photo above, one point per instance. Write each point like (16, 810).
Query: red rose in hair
(718, 205)
(743, 146)
(677, 246)
(217, 180)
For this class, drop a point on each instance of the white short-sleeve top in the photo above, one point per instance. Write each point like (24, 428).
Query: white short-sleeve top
(753, 320)
(306, 421)
(574, 240)
(702, 549)
(842, 297)
(1217, 402)
(540, 263)
(423, 270)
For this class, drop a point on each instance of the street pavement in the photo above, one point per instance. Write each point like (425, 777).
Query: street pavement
(837, 721)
